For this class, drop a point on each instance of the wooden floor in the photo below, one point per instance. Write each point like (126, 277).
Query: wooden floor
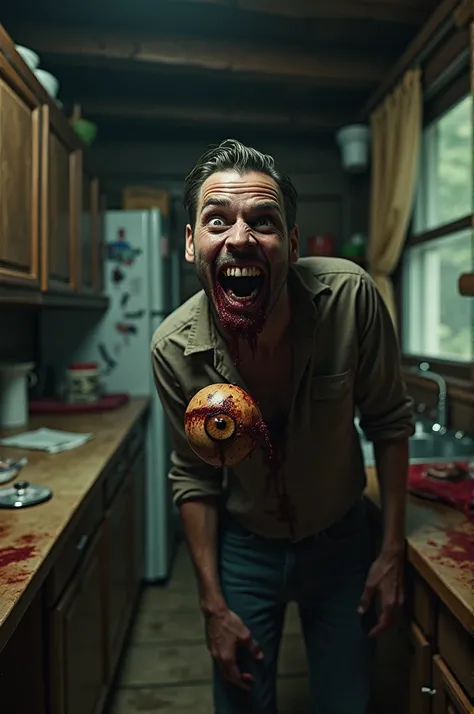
(167, 668)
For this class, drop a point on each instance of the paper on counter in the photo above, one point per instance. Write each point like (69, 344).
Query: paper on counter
(50, 440)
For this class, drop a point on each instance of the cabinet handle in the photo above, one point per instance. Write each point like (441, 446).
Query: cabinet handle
(81, 544)
(428, 690)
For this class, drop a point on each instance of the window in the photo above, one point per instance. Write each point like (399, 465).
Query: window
(437, 321)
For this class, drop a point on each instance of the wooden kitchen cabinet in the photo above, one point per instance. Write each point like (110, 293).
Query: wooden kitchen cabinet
(448, 698)
(20, 119)
(118, 569)
(77, 634)
(22, 665)
(86, 236)
(60, 203)
(138, 472)
(99, 207)
(91, 234)
(439, 660)
(420, 673)
(51, 221)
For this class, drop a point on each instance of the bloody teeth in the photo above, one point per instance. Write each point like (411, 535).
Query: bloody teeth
(251, 272)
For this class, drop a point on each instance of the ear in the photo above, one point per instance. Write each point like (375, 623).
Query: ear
(294, 239)
(189, 249)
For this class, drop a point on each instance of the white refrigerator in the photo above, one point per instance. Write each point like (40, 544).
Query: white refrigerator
(141, 276)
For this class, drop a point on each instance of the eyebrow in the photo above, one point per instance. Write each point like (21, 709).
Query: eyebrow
(225, 203)
(218, 202)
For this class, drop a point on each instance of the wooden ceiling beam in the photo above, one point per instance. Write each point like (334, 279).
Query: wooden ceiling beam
(188, 53)
(111, 109)
(385, 11)
(441, 17)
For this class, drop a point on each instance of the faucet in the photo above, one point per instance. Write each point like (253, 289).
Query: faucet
(423, 370)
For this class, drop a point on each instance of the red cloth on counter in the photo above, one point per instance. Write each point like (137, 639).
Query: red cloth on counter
(459, 495)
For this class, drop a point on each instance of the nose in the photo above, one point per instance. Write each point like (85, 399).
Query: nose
(240, 236)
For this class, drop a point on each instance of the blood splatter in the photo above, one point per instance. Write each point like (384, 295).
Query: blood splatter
(15, 579)
(459, 547)
(271, 441)
(25, 549)
(239, 325)
(16, 554)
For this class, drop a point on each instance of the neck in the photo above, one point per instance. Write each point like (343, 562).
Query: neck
(276, 325)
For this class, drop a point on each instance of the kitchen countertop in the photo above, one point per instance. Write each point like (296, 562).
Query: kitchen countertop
(440, 545)
(30, 537)
(439, 539)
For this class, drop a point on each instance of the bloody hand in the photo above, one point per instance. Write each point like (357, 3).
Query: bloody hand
(225, 633)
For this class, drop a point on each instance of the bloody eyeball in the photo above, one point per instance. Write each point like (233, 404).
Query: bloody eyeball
(220, 423)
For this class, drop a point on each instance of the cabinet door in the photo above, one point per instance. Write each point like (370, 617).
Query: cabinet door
(60, 209)
(139, 515)
(420, 673)
(87, 236)
(98, 218)
(22, 665)
(449, 698)
(118, 572)
(77, 657)
(19, 180)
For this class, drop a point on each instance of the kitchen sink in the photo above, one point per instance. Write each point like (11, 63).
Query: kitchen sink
(442, 447)
(430, 448)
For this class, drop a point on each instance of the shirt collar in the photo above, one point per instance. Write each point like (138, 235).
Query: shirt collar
(304, 284)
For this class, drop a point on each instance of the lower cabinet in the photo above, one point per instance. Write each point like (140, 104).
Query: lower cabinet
(77, 631)
(138, 472)
(22, 665)
(449, 697)
(90, 601)
(420, 673)
(428, 656)
(118, 566)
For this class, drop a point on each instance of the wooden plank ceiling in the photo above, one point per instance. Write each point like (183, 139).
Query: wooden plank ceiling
(155, 67)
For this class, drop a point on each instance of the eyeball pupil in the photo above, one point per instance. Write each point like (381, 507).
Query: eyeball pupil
(220, 423)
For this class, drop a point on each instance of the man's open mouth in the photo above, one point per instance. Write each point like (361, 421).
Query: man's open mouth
(242, 286)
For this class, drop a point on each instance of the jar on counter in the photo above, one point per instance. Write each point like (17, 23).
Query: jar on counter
(82, 383)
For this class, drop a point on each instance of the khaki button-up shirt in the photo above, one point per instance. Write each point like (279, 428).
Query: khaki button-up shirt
(345, 356)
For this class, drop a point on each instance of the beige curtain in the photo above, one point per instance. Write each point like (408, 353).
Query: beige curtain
(396, 131)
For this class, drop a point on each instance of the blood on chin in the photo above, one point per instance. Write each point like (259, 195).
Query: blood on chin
(242, 319)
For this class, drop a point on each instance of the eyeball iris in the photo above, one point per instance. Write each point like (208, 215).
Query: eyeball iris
(220, 427)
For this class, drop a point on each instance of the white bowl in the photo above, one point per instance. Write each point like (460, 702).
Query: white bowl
(49, 81)
(30, 57)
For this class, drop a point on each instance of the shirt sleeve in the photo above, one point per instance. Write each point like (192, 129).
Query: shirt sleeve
(386, 409)
(191, 478)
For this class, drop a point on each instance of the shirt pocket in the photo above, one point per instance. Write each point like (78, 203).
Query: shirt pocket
(331, 387)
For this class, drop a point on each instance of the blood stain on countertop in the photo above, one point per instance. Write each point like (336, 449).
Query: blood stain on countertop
(455, 550)
(19, 553)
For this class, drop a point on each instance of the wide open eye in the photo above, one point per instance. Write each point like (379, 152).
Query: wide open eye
(216, 222)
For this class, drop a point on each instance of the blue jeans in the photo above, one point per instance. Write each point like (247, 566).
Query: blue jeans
(325, 576)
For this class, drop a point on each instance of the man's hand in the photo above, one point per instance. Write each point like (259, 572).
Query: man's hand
(225, 632)
(385, 578)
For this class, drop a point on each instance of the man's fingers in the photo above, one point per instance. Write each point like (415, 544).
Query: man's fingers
(366, 599)
(253, 647)
(385, 620)
(231, 672)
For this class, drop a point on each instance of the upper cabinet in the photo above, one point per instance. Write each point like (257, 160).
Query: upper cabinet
(51, 237)
(60, 204)
(20, 117)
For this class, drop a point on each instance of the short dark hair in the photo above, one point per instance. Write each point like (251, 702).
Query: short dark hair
(231, 155)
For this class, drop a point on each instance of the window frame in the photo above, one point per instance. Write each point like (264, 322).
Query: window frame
(460, 373)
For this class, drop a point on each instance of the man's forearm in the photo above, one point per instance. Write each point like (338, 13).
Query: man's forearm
(200, 523)
(391, 459)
